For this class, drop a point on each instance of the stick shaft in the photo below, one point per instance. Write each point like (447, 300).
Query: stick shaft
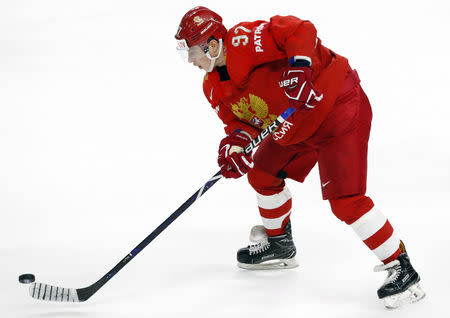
(268, 130)
(85, 293)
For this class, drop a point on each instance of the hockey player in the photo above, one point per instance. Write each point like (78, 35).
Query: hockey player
(254, 71)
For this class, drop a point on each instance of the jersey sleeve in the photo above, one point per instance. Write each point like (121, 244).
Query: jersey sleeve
(294, 36)
(251, 44)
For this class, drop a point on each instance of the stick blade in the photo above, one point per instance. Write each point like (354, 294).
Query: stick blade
(53, 293)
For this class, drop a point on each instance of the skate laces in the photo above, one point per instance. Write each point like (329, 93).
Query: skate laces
(380, 268)
(393, 268)
(259, 247)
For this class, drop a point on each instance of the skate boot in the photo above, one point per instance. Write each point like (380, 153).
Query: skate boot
(275, 252)
(402, 284)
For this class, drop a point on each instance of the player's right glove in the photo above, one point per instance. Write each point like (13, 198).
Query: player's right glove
(296, 82)
(232, 161)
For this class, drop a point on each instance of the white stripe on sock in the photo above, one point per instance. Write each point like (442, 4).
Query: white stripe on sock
(273, 224)
(388, 248)
(369, 224)
(273, 201)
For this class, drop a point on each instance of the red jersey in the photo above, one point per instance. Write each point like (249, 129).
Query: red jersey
(256, 54)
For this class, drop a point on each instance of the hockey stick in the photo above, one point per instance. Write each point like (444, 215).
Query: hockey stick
(52, 293)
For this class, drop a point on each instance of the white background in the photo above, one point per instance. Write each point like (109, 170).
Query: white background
(104, 133)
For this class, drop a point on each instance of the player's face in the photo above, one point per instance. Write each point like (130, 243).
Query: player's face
(198, 57)
(205, 56)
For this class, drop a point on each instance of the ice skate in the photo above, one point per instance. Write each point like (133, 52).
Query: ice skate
(276, 252)
(402, 284)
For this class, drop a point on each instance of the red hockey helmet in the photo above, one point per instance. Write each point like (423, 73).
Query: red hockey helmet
(197, 26)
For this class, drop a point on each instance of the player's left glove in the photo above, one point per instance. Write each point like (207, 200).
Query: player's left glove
(296, 82)
(232, 161)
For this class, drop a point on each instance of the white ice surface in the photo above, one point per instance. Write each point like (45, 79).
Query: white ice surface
(104, 133)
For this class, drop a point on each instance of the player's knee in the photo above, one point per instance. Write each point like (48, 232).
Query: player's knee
(350, 209)
(264, 183)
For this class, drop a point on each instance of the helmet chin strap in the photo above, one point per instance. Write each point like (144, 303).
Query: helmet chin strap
(213, 59)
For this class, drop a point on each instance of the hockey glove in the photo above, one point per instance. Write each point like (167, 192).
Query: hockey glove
(232, 161)
(297, 85)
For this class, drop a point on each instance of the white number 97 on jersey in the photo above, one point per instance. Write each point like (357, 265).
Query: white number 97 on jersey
(240, 39)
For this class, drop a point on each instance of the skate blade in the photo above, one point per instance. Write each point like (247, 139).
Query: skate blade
(409, 296)
(271, 265)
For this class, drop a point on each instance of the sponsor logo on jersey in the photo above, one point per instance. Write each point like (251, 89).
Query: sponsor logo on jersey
(198, 20)
(281, 132)
(257, 37)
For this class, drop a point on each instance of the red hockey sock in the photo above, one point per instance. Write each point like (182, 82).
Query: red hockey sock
(369, 224)
(275, 211)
